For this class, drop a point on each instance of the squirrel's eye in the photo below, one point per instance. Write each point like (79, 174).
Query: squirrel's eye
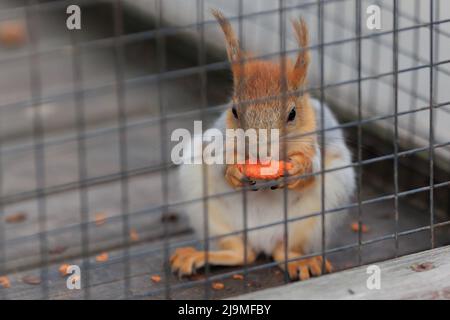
(291, 116)
(234, 112)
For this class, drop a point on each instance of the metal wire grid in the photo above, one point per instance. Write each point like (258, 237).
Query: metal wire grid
(117, 42)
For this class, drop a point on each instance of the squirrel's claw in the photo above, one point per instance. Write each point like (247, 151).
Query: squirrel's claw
(298, 173)
(235, 177)
(185, 261)
(303, 269)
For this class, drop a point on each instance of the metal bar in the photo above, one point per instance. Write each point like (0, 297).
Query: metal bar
(119, 64)
(82, 160)
(358, 32)
(244, 190)
(283, 85)
(395, 138)
(39, 151)
(203, 104)
(161, 58)
(431, 133)
(320, 27)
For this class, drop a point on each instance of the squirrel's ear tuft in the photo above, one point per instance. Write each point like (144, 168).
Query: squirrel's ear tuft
(234, 52)
(233, 48)
(298, 75)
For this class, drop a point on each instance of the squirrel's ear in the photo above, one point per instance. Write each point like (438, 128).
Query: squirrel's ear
(298, 75)
(234, 52)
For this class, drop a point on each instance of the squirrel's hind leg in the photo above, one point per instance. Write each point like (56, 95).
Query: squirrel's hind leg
(185, 261)
(302, 268)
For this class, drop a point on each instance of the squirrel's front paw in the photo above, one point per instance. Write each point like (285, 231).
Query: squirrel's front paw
(185, 261)
(298, 174)
(303, 269)
(235, 177)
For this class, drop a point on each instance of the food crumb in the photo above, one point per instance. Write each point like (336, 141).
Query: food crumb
(134, 236)
(355, 227)
(238, 277)
(16, 217)
(155, 278)
(57, 250)
(218, 285)
(63, 269)
(102, 257)
(4, 282)
(33, 280)
(100, 219)
(420, 267)
(12, 33)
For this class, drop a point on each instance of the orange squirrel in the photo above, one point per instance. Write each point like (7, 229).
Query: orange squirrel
(298, 118)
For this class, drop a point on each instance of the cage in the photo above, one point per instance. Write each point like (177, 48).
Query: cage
(87, 115)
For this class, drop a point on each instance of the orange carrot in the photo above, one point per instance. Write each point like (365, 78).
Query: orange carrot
(254, 170)
(355, 227)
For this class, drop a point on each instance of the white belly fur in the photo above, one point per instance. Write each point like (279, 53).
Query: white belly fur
(264, 207)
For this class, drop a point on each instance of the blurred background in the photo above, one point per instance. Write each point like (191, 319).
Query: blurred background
(86, 117)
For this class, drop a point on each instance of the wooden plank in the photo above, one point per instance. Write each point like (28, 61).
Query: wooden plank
(63, 222)
(149, 260)
(107, 279)
(398, 281)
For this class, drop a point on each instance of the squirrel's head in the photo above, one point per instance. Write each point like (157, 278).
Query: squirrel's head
(268, 94)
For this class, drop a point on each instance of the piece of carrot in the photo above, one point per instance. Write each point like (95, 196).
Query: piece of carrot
(63, 269)
(217, 285)
(355, 227)
(4, 282)
(254, 170)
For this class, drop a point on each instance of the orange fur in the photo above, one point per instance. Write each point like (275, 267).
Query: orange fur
(186, 260)
(302, 268)
(265, 92)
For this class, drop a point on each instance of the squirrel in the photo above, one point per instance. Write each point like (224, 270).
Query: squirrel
(298, 117)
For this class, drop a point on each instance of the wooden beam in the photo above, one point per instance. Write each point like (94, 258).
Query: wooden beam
(400, 279)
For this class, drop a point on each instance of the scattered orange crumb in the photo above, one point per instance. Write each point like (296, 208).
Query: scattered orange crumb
(4, 282)
(218, 285)
(155, 278)
(102, 257)
(16, 217)
(238, 277)
(254, 170)
(12, 33)
(57, 250)
(420, 267)
(63, 269)
(355, 227)
(134, 236)
(30, 279)
(100, 218)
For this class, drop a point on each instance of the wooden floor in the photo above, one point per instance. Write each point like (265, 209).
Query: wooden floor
(51, 233)
(420, 276)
